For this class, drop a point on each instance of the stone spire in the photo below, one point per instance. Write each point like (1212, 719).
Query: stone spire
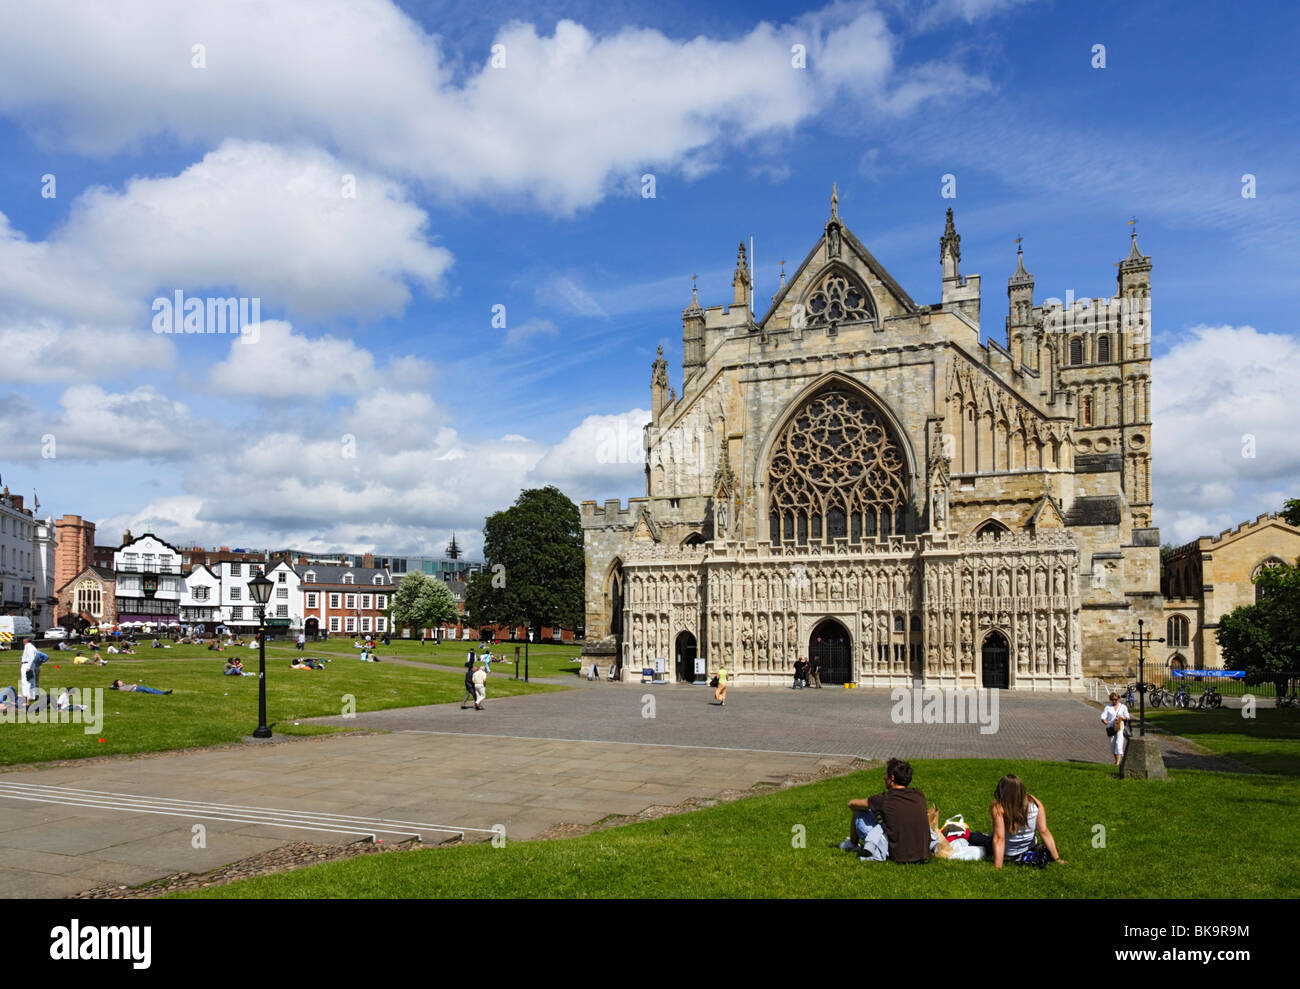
(950, 251)
(1020, 276)
(692, 337)
(740, 281)
(835, 201)
(658, 384)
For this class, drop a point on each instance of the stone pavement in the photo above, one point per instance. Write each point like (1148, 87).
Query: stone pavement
(831, 721)
(527, 763)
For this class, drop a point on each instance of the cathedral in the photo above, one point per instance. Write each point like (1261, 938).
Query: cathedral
(857, 476)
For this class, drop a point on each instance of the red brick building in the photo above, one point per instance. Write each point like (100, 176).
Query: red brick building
(345, 600)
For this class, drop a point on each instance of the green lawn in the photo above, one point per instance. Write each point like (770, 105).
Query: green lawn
(545, 659)
(208, 708)
(1270, 741)
(1153, 846)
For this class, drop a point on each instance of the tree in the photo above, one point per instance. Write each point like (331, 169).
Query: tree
(1291, 511)
(422, 602)
(535, 563)
(1264, 638)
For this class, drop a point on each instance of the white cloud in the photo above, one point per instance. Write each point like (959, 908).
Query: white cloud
(602, 457)
(274, 362)
(560, 123)
(46, 350)
(530, 329)
(563, 293)
(268, 222)
(1218, 395)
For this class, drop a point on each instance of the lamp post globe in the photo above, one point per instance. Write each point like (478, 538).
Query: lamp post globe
(260, 590)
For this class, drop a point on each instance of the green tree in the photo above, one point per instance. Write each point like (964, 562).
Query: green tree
(422, 602)
(1291, 511)
(1264, 638)
(535, 563)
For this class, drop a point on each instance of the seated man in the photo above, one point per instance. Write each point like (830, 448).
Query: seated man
(235, 668)
(113, 650)
(900, 813)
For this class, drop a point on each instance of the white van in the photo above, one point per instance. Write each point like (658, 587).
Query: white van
(12, 630)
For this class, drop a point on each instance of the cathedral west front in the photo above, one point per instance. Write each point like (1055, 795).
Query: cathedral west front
(855, 475)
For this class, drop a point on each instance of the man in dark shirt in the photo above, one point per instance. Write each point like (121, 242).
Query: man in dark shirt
(900, 810)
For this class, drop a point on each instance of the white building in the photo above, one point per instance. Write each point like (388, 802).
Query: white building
(201, 599)
(149, 580)
(238, 609)
(284, 611)
(17, 567)
(43, 571)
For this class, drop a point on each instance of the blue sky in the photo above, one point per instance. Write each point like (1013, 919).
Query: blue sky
(519, 186)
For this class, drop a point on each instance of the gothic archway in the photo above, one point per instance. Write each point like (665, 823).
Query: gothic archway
(995, 662)
(685, 650)
(837, 471)
(830, 642)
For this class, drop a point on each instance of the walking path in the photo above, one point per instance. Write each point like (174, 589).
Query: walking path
(525, 763)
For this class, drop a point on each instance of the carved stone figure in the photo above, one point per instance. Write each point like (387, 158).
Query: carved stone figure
(965, 583)
(1004, 584)
(1058, 583)
(1040, 581)
(1022, 584)
(984, 582)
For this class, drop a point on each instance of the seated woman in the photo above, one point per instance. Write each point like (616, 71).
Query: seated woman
(235, 668)
(1017, 817)
(138, 688)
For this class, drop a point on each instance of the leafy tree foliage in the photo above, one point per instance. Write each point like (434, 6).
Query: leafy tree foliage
(1264, 638)
(423, 602)
(1291, 511)
(535, 564)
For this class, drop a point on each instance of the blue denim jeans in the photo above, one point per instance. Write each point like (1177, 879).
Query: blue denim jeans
(863, 821)
(148, 690)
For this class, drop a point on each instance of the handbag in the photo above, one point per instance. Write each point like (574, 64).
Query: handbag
(713, 682)
(1110, 730)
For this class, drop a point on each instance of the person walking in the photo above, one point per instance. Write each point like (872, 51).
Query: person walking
(29, 669)
(469, 685)
(815, 672)
(487, 661)
(302, 641)
(799, 666)
(720, 694)
(480, 688)
(1115, 717)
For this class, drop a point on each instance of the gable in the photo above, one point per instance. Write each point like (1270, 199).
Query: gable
(849, 254)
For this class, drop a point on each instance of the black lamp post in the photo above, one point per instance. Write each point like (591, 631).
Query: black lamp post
(1143, 639)
(260, 588)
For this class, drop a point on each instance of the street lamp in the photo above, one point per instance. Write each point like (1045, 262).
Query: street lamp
(260, 589)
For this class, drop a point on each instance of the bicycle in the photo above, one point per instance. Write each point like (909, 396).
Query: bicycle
(1289, 700)
(1130, 698)
(1210, 699)
(1157, 693)
(1181, 699)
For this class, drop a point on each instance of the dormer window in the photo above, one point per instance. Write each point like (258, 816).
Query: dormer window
(379, 579)
(348, 579)
(309, 577)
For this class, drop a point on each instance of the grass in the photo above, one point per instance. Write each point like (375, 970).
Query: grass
(1270, 741)
(544, 659)
(1152, 832)
(210, 709)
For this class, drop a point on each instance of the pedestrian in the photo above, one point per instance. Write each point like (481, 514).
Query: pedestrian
(29, 669)
(799, 666)
(720, 679)
(469, 685)
(1115, 717)
(815, 672)
(302, 641)
(487, 661)
(480, 688)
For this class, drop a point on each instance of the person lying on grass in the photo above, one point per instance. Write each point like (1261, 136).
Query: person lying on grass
(1018, 816)
(138, 688)
(96, 660)
(306, 664)
(899, 812)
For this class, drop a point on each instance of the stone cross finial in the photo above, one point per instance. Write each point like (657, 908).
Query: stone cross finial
(835, 201)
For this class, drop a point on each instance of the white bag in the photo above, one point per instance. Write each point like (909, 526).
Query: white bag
(964, 851)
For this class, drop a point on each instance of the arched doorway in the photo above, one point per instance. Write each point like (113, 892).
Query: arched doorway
(312, 627)
(831, 644)
(685, 650)
(995, 662)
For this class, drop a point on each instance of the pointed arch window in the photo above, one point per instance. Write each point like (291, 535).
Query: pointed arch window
(838, 298)
(1103, 350)
(1076, 351)
(1176, 632)
(837, 473)
(992, 529)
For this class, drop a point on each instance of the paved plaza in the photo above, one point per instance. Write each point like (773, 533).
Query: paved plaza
(527, 763)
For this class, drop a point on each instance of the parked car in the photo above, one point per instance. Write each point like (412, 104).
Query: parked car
(57, 632)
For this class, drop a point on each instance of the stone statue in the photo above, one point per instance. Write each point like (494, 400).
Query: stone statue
(1040, 582)
(1004, 584)
(965, 583)
(984, 582)
(1022, 584)
(940, 510)
(1059, 582)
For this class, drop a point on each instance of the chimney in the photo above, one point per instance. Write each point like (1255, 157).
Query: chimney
(368, 561)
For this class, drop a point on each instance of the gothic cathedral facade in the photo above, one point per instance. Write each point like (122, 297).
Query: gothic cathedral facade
(857, 476)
